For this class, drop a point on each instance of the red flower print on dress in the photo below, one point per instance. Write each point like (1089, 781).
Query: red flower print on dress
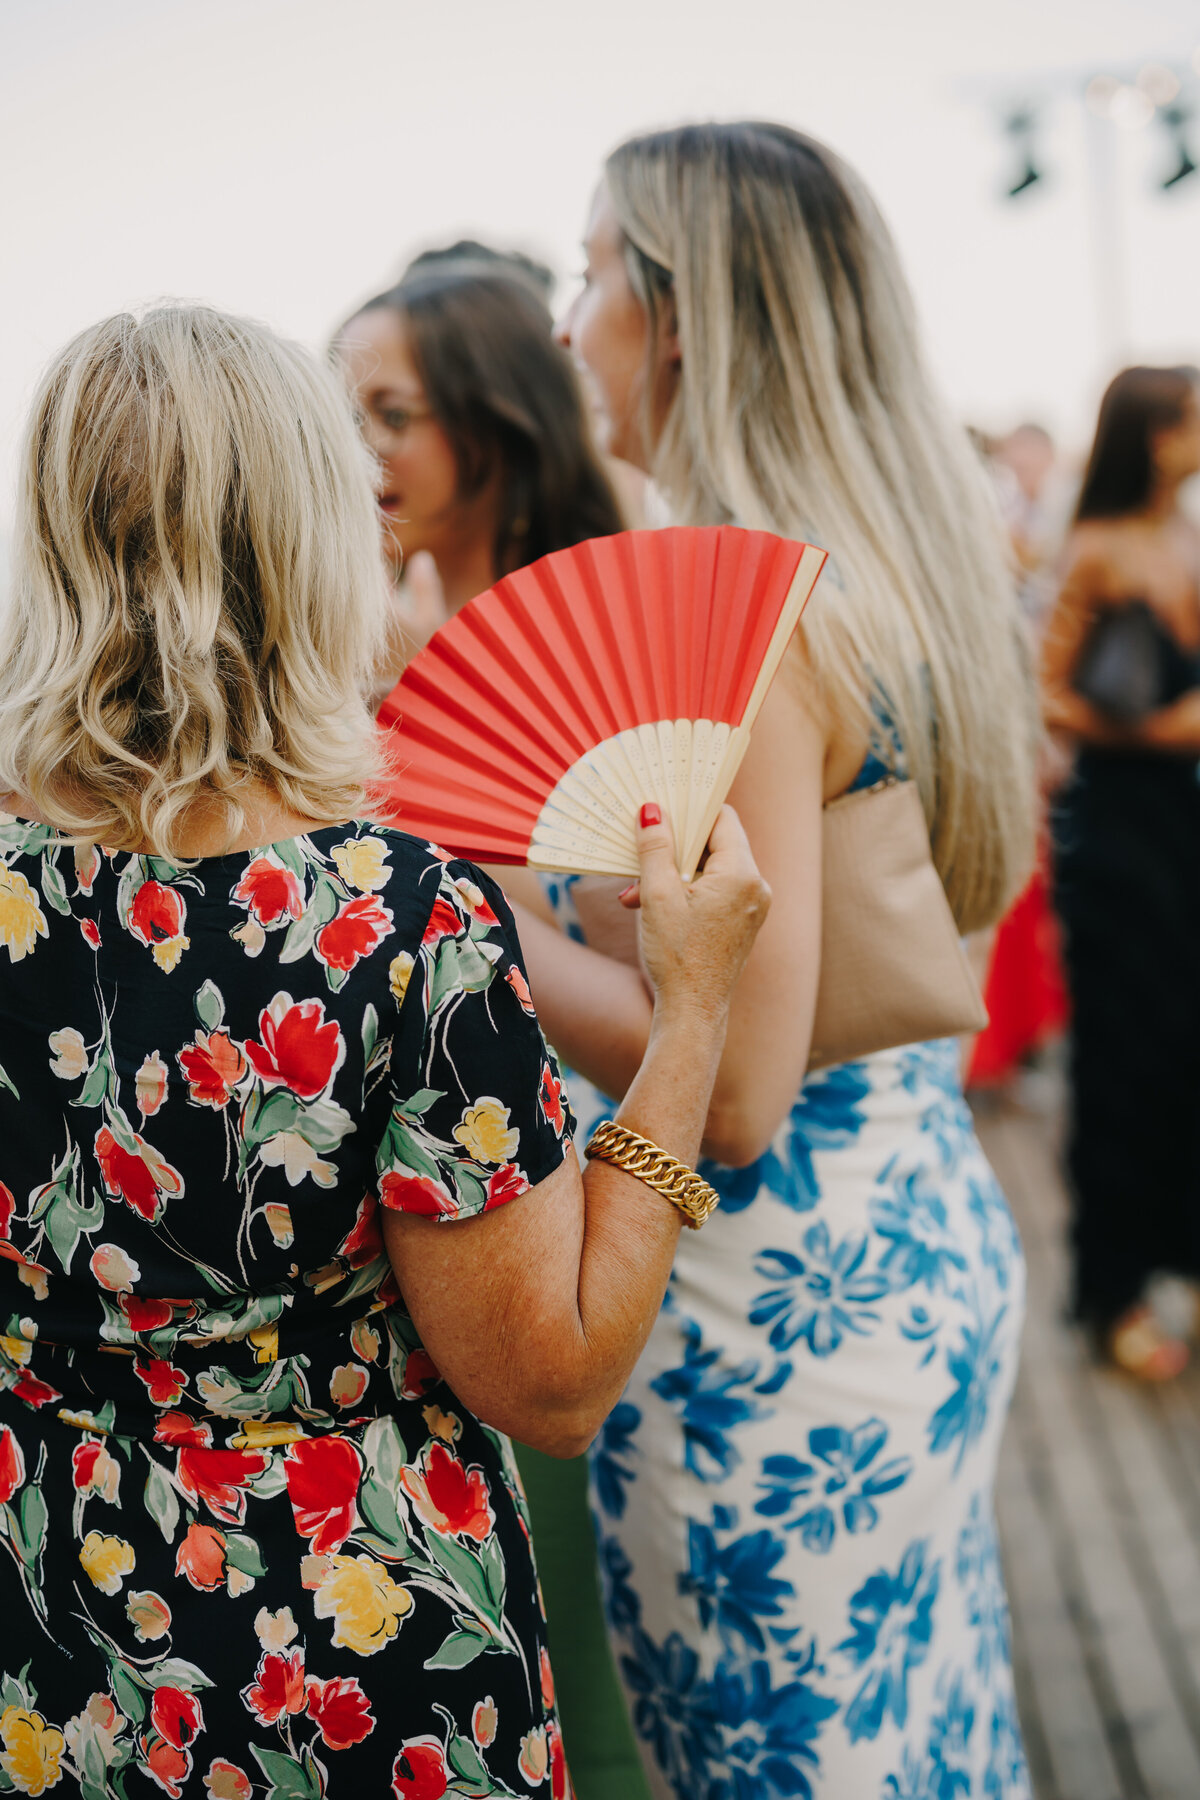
(219, 1477)
(270, 892)
(91, 932)
(506, 1184)
(148, 1314)
(558, 1762)
(405, 1192)
(443, 922)
(341, 1710)
(163, 1381)
(551, 1099)
(180, 1428)
(279, 1689)
(420, 1374)
(157, 918)
(176, 1716)
(364, 1241)
(142, 1178)
(472, 897)
(359, 927)
(419, 1772)
(201, 1557)
(520, 988)
(168, 1767)
(94, 1471)
(299, 1050)
(450, 1497)
(322, 1481)
(12, 1464)
(7, 1208)
(213, 1066)
(33, 1392)
(484, 1720)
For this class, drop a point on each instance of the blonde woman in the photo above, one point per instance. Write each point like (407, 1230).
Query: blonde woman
(794, 1497)
(268, 1069)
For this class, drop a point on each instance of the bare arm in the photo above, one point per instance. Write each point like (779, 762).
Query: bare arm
(596, 1012)
(537, 1311)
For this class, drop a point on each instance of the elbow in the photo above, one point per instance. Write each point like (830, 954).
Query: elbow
(737, 1136)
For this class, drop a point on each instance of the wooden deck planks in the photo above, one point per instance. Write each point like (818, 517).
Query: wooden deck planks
(1099, 1506)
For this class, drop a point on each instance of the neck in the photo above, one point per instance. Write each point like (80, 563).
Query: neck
(1162, 503)
(466, 569)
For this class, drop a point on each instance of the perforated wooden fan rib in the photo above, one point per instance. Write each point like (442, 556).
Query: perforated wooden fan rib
(629, 668)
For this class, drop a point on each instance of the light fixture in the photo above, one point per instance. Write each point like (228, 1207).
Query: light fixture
(1020, 126)
(1176, 120)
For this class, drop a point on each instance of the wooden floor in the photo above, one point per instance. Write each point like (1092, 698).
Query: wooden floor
(1099, 1506)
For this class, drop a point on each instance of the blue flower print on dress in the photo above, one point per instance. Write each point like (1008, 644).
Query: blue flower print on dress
(852, 1480)
(949, 1742)
(622, 1602)
(976, 1365)
(827, 1115)
(672, 1708)
(978, 1571)
(611, 1472)
(922, 1246)
(916, 1779)
(1000, 1242)
(891, 1620)
(1007, 1774)
(703, 1391)
(821, 1296)
(732, 1583)
(768, 1732)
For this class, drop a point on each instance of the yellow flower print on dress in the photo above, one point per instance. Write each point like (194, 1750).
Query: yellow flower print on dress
(31, 1750)
(106, 1561)
(399, 971)
(149, 1615)
(69, 1052)
(22, 921)
(366, 1605)
(361, 863)
(484, 1134)
(265, 1339)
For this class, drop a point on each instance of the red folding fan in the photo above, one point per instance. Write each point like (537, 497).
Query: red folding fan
(630, 668)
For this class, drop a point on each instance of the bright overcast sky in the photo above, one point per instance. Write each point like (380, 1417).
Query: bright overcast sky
(282, 157)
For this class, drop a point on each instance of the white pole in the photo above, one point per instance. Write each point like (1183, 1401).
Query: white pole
(1107, 222)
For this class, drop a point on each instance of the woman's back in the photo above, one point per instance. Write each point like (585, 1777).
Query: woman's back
(210, 1072)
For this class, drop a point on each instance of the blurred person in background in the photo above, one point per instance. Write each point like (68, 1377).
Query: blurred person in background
(794, 1495)
(488, 462)
(476, 418)
(262, 1346)
(1127, 831)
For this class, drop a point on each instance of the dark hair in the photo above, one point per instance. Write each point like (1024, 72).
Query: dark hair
(1137, 404)
(507, 398)
(470, 250)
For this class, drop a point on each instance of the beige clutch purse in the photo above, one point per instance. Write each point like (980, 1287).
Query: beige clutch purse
(893, 968)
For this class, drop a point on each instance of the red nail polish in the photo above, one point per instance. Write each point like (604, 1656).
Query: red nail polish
(626, 891)
(651, 814)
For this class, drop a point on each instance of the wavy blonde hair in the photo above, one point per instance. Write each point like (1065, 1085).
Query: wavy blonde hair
(197, 589)
(804, 407)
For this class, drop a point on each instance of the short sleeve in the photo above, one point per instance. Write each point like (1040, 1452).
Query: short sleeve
(479, 1111)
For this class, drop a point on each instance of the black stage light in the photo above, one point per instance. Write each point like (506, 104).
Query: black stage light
(1020, 126)
(1176, 119)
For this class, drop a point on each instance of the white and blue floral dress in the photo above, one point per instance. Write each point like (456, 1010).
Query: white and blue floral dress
(793, 1499)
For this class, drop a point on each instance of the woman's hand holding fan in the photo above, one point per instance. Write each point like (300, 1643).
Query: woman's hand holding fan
(535, 724)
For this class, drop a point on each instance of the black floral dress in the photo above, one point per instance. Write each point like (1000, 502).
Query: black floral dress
(250, 1542)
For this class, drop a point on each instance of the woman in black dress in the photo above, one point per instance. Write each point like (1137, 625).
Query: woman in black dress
(289, 1232)
(1127, 829)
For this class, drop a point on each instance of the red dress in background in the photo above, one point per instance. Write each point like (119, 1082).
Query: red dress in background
(1025, 994)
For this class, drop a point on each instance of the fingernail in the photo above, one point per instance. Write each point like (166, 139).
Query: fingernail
(651, 814)
(626, 891)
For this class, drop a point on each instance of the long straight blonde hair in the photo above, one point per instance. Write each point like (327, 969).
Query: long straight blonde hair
(197, 588)
(804, 407)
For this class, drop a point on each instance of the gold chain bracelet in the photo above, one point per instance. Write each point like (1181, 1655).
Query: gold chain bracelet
(672, 1179)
